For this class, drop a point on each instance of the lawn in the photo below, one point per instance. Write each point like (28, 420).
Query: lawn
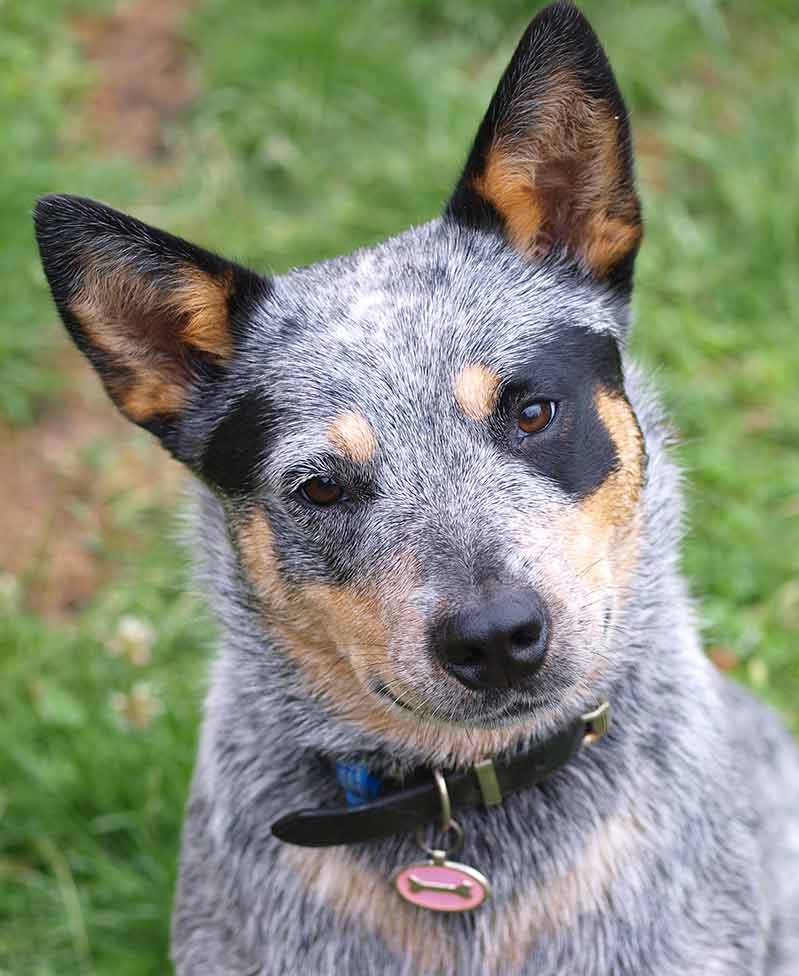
(305, 130)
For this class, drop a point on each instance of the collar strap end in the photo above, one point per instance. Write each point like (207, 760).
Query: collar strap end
(488, 783)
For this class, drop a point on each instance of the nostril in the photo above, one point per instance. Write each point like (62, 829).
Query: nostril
(526, 635)
(473, 654)
(465, 654)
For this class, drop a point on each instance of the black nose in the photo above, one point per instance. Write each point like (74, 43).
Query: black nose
(498, 642)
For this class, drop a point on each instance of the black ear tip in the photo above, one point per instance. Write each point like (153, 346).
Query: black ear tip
(65, 224)
(564, 11)
(46, 210)
(565, 25)
(53, 205)
(55, 209)
(55, 214)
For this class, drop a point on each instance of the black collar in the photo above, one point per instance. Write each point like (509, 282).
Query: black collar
(405, 810)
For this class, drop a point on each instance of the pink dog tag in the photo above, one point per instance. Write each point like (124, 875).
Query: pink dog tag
(442, 886)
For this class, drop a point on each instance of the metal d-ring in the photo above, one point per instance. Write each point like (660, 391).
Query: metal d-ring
(447, 824)
(443, 799)
(439, 853)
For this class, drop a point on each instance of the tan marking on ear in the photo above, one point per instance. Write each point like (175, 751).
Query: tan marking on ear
(476, 390)
(608, 240)
(338, 639)
(141, 327)
(203, 301)
(356, 893)
(551, 905)
(151, 396)
(353, 436)
(507, 185)
(559, 180)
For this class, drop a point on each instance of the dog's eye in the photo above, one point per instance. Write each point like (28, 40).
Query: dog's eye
(321, 491)
(536, 416)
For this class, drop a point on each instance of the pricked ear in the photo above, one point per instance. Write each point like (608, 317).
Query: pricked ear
(158, 318)
(552, 165)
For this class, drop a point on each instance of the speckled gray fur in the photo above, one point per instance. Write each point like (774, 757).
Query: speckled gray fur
(707, 776)
(670, 847)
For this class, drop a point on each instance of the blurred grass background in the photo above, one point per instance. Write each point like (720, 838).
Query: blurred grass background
(280, 134)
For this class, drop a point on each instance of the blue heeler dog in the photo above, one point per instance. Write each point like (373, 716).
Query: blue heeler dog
(439, 526)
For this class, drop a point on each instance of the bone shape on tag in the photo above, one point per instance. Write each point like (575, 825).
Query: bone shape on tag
(463, 888)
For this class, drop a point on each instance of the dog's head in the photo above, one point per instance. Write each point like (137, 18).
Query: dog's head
(428, 466)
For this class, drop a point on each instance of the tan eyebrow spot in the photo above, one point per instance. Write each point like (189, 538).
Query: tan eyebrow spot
(353, 436)
(476, 388)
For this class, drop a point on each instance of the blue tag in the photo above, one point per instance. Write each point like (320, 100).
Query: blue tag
(359, 785)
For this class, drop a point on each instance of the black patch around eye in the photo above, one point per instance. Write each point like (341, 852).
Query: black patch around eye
(576, 357)
(576, 451)
(239, 442)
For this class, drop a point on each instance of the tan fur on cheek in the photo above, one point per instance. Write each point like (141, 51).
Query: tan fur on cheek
(334, 634)
(476, 389)
(257, 549)
(352, 434)
(357, 894)
(614, 502)
(601, 534)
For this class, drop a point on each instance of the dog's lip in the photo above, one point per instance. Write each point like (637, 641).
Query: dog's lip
(382, 689)
(500, 716)
(508, 712)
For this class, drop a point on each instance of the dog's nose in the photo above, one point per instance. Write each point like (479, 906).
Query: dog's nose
(497, 643)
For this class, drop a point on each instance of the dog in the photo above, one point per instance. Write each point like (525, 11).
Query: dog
(439, 526)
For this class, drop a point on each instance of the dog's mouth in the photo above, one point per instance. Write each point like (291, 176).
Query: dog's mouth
(490, 714)
(384, 691)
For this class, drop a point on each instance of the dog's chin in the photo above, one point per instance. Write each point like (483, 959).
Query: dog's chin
(494, 711)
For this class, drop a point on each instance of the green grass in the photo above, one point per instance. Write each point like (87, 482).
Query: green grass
(42, 80)
(319, 130)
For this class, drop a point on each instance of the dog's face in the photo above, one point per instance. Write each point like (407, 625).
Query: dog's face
(429, 468)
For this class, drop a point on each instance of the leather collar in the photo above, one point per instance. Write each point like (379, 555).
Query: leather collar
(404, 810)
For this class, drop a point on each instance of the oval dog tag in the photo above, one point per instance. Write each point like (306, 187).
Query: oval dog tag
(442, 886)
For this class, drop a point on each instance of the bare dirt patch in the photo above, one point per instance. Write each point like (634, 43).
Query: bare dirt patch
(144, 78)
(76, 484)
(72, 484)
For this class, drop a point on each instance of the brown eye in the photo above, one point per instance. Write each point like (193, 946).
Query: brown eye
(322, 491)
(536, 416)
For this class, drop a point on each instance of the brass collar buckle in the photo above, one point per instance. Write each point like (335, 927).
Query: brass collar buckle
(597, 723)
